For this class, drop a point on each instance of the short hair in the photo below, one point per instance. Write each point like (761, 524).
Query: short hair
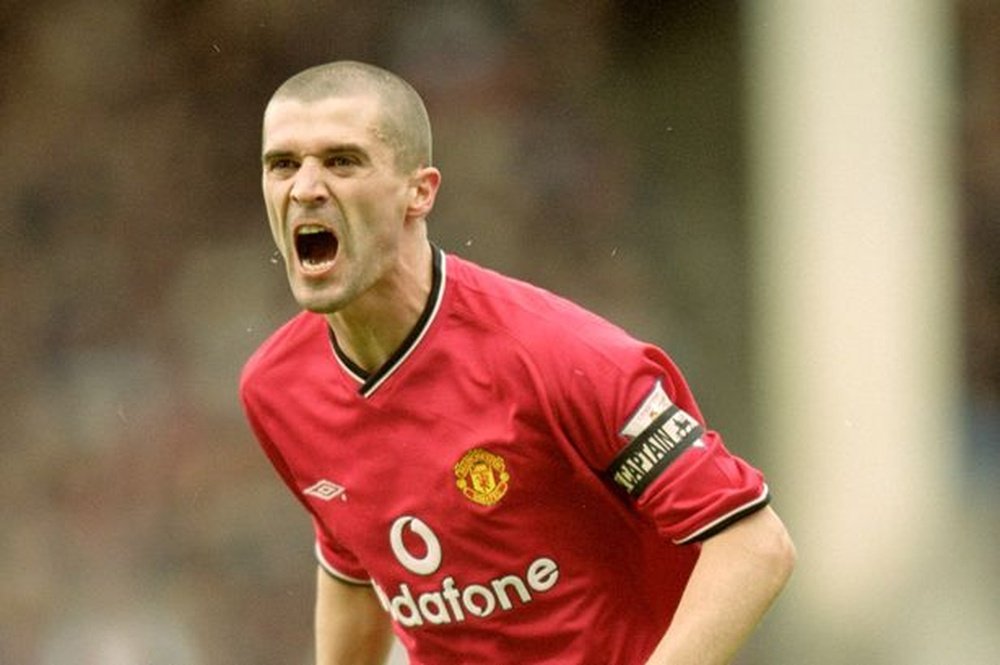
(404, 124)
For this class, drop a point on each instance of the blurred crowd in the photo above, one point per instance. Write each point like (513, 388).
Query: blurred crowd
(979, 63)
(593, 148)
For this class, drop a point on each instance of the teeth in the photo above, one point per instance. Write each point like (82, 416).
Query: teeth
(315, 263)
(310, 229)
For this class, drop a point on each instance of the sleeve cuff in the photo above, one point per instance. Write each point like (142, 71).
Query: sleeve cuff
(333, 572)
(727, 520)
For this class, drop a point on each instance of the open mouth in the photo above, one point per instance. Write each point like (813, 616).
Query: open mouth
(316, 247)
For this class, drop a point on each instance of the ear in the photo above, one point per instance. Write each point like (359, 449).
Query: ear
(423, 190)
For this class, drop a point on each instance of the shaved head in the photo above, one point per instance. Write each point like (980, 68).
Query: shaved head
(403, 123)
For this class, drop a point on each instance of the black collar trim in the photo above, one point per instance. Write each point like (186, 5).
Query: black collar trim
(371, 381)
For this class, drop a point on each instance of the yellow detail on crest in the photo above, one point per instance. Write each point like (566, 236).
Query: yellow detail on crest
(482, 476)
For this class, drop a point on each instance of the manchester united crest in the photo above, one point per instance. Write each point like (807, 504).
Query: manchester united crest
(482, 476)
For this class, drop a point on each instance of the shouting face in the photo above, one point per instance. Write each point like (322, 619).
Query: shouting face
(336, 200)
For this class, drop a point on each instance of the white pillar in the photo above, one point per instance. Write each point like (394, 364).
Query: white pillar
(854, 224)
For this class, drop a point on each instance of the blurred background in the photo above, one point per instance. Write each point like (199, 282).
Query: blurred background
(799, 201)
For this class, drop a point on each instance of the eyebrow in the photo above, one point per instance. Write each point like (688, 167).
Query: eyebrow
(272, 155)
(336, 149)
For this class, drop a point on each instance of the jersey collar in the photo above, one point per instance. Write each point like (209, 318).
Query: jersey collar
(370, 381)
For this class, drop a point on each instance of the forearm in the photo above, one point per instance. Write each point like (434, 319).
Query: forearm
(351, 626)
(738, 575)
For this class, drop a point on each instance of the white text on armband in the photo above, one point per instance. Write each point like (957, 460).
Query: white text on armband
(648, 454)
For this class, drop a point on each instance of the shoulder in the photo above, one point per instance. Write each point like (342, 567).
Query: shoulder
(542, 323)
(275, 360)
(590, 374)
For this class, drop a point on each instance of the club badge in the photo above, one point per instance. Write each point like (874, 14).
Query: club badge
(482, 476)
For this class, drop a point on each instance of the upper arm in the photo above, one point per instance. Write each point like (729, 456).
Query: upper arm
(755, 550)
(351, 626)
(739, 572)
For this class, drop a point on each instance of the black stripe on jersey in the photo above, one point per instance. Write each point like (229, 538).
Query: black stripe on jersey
(727, 520)
(370, 381)
(358, 372)
(656, 447)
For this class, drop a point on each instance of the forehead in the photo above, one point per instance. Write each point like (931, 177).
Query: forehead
(304, 126)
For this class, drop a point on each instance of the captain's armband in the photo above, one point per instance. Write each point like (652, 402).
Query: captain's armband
(667, 431)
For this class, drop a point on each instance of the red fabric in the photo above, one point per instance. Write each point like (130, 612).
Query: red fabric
(522, 396)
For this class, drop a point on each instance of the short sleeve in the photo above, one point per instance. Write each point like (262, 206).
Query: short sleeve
(337, 561)
(705, 490)
(676, 469)
(636, 421)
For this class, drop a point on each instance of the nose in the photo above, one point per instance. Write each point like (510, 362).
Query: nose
(308, 188)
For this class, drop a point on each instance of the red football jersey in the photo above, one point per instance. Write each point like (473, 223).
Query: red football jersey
(522, 482)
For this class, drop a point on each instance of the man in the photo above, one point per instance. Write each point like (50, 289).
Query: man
(493, 472)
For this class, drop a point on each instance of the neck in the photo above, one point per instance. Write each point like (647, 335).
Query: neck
(372, 328)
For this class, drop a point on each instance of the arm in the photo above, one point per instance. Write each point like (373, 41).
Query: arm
(351, 626)
(739, 573)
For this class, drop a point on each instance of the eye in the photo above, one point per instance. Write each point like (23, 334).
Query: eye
(281, 165)
(341, 161)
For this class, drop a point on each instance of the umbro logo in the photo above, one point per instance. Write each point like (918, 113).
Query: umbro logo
(326, 491)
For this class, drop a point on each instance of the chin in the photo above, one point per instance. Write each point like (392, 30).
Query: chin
(317, 303)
